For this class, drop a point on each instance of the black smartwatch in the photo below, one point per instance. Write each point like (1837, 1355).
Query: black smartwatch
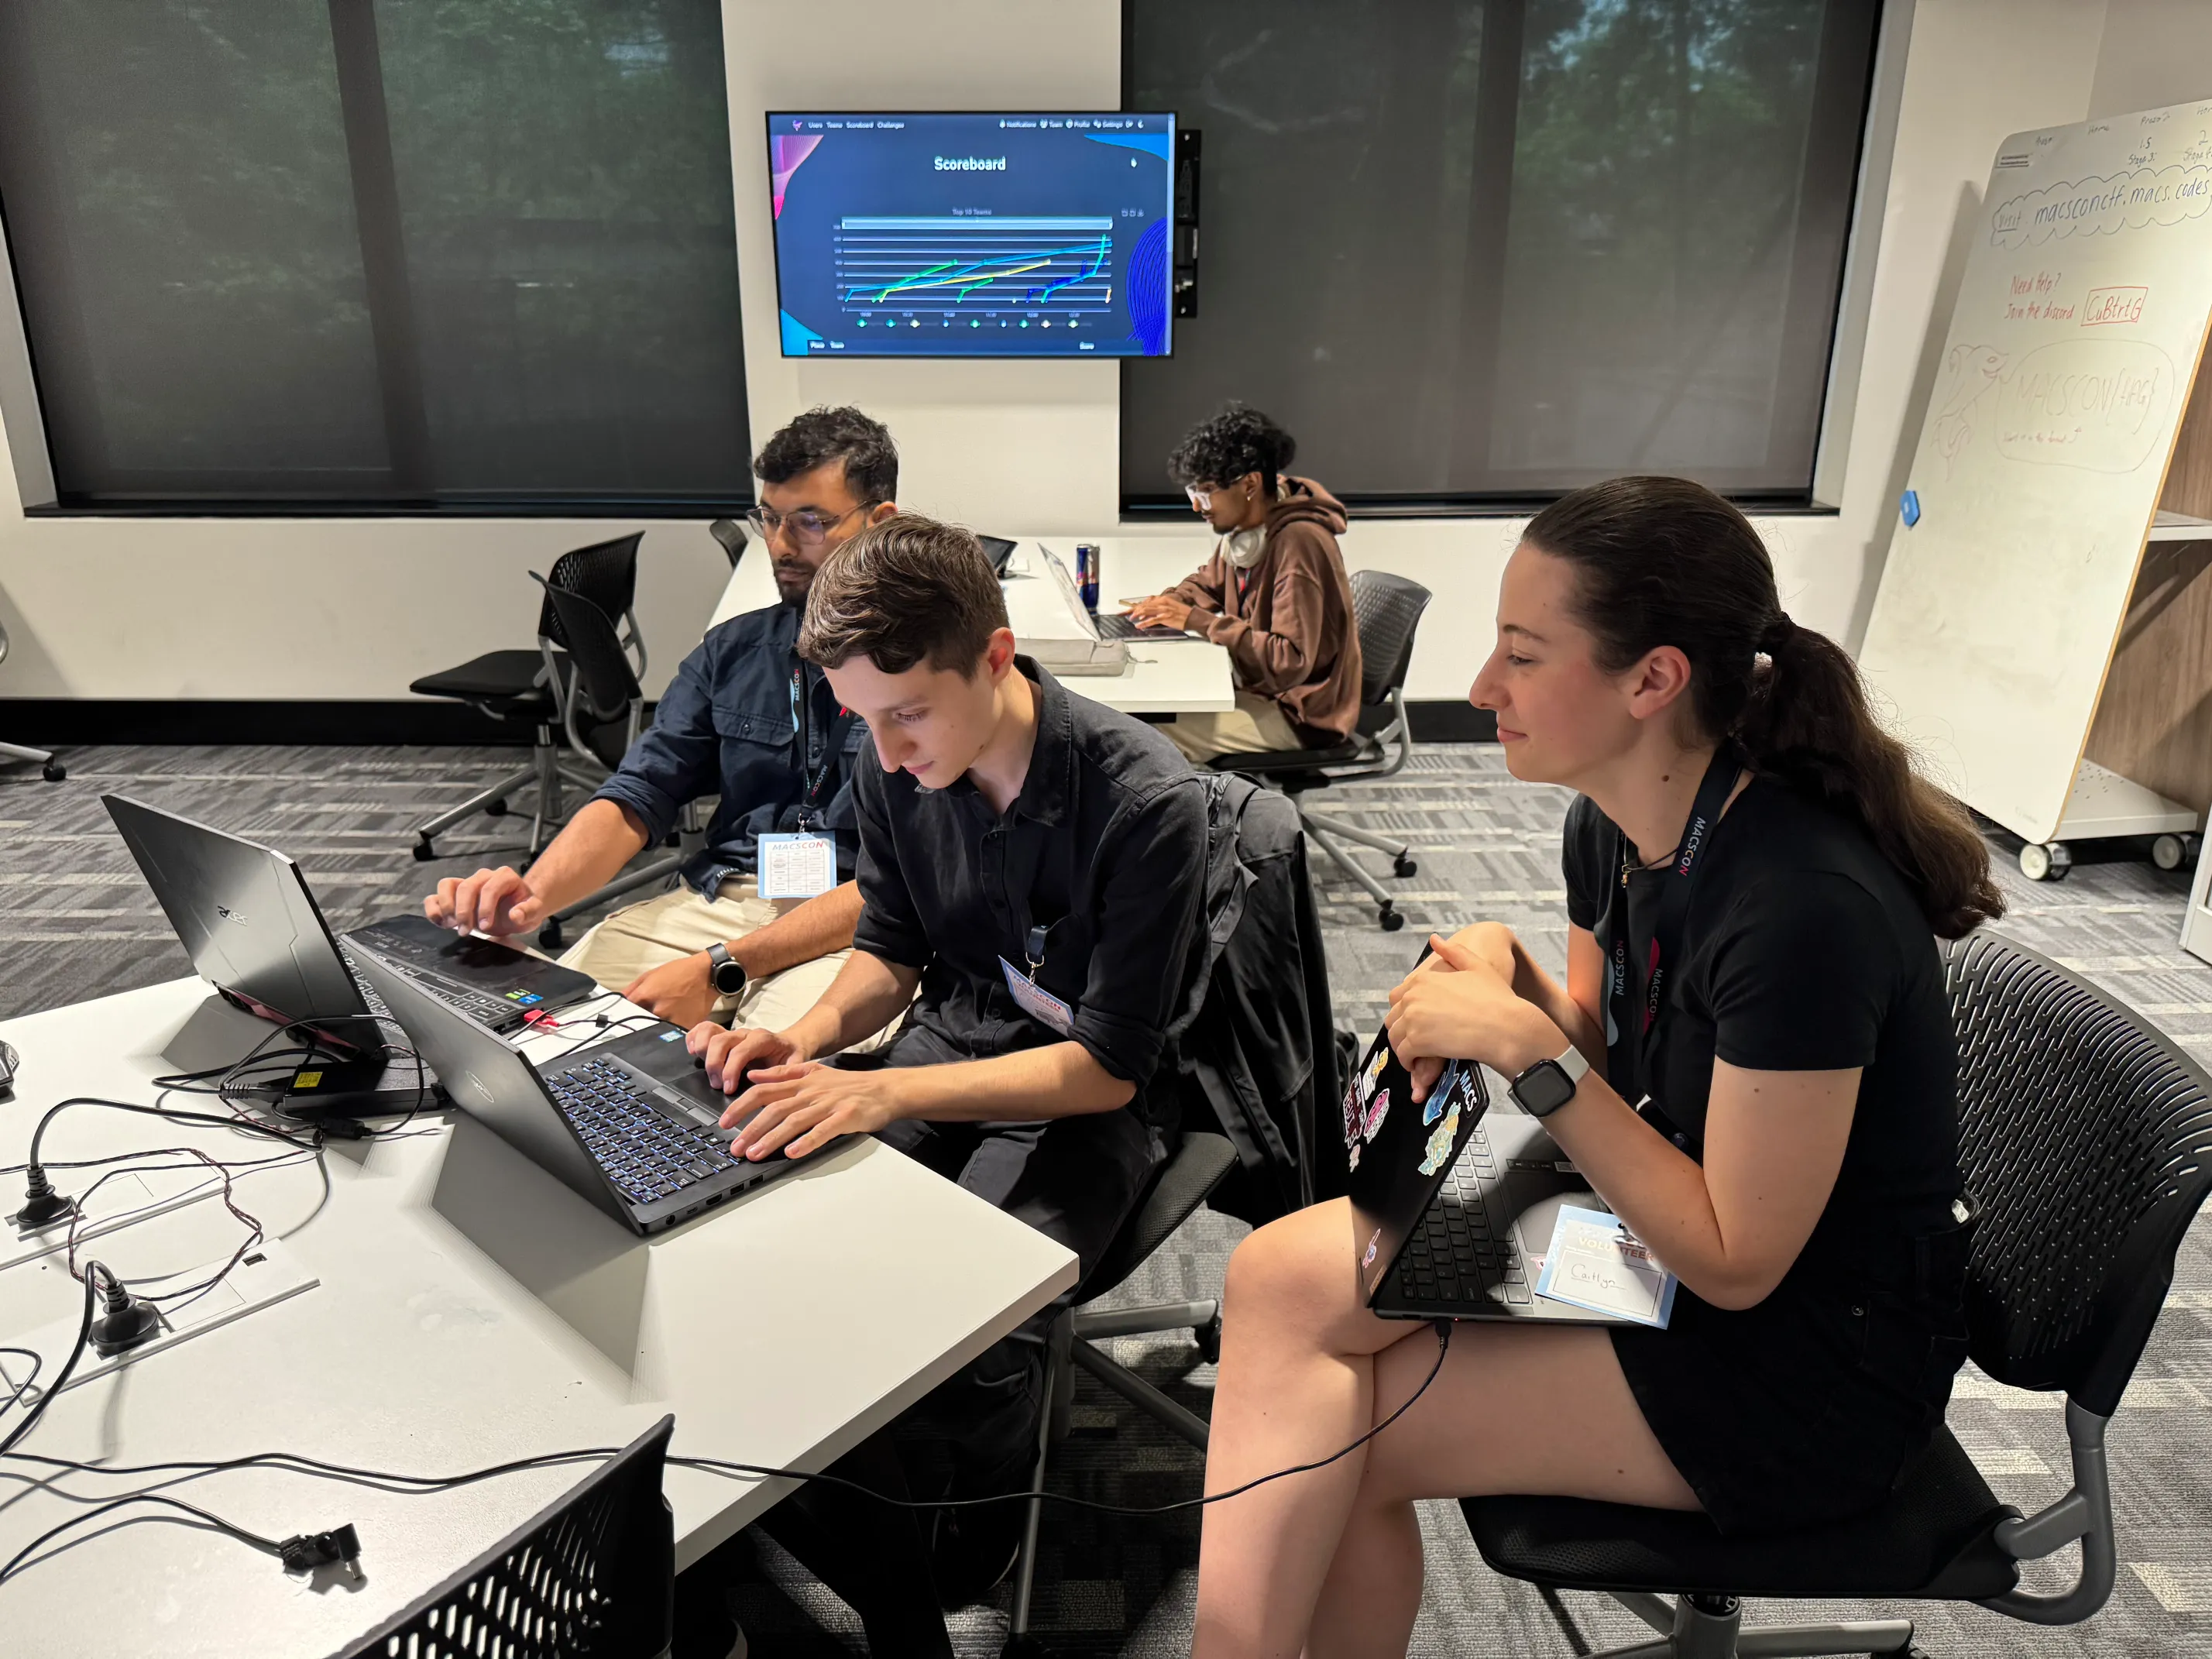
(1549, 1084)
(726, 973)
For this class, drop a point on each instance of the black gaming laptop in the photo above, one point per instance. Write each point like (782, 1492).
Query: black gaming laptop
(627, 1124)
(254, 930)
(1452, 1203)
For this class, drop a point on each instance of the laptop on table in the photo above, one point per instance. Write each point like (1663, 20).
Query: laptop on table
(627, 1124)
(1452, 1204)
(248, 921)
(1103, 624)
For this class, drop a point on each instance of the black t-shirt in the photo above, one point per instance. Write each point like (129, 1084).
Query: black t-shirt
(1802, 950)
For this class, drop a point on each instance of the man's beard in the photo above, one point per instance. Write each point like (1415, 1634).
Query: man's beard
(791, 583)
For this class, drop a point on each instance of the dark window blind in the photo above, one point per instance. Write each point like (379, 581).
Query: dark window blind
(1474, 254)
(376, 254)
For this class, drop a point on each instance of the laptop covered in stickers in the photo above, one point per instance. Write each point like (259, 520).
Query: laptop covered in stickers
(1453, 1204)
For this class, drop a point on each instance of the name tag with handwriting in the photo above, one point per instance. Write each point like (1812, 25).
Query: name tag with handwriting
(1596, 1262)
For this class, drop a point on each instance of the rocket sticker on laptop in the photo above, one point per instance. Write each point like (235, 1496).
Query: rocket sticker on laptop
(1442, 1109)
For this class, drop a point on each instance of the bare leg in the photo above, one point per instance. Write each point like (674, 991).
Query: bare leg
(1333, 1557)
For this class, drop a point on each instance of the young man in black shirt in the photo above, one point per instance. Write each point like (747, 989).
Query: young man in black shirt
(1034, 863)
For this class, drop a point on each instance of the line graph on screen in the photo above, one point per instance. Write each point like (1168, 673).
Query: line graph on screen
(997, 268)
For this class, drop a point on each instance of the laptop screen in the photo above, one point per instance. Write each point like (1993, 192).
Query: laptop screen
(1400, 1151)
(243, 913)
(1065, 583)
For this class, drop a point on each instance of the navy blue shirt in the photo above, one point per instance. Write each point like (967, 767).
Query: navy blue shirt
(732, 723)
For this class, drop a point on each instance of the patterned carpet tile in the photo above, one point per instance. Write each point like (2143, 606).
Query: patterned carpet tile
(75, 921)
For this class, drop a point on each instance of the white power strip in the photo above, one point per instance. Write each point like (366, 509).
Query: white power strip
(268, 1274)
(118, 1202)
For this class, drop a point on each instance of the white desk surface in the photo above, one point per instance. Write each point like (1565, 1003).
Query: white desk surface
(470, 1310)
(1165, 676)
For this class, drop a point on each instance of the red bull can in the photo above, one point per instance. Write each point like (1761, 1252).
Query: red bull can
(1086, 574)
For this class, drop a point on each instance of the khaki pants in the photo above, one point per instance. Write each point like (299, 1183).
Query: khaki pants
(680, 924)
(1257, 726)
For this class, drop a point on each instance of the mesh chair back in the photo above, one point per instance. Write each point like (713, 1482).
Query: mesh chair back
(1386, 609)
(2086, 1140)
(591, 1577)
(732, 535)
(605, 685)
(605, 573)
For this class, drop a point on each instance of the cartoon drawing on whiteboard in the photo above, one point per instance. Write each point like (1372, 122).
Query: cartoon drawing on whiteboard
(2098, 404)
(1973, 369)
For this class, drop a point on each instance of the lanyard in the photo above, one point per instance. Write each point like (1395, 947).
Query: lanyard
(814, 778)
(1633, 1029)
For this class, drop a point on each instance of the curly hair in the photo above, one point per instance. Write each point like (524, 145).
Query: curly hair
(822, 435)
(1224, 448)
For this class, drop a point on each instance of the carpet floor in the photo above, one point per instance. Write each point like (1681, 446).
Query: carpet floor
(77, 921)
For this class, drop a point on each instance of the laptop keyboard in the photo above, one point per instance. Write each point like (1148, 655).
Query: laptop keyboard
(1121, 625)
(646, 1153)
(496, 1013)
(1456, 1256)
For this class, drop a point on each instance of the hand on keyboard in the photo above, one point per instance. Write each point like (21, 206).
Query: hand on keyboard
(1161, 611)
(496, 901)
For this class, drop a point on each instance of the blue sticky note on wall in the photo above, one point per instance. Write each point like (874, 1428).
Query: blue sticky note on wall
(1909, 504)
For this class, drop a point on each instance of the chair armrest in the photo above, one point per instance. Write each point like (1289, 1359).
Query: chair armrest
(2085, 1513)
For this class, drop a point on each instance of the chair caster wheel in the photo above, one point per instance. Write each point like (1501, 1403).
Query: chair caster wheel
(1401, 866)
(1209, 1341)
(53, 772)
(496, 809)
(424, 852)
(550, 937)
(1023, 1646)
(1391, 920)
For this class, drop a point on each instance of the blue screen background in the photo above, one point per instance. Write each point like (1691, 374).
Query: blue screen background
(1062, 252)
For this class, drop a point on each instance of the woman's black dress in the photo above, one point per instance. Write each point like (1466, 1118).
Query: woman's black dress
(1802, 950)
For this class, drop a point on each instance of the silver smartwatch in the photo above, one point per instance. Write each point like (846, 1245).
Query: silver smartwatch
(1549, 1084)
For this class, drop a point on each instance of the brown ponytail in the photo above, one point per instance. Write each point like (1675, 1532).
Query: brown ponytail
(1666, 561)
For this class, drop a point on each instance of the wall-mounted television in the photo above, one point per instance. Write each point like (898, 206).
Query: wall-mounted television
(998, 235)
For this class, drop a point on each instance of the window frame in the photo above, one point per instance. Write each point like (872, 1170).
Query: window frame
(1861, 243)
(358, 72)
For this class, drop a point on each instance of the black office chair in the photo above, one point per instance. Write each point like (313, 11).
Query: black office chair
(2087, 1141)
(1177, 1190)
(534, 686)
(593, 1576)
(50, 768)
(1387, 610)
(604, 713)
(730, 534)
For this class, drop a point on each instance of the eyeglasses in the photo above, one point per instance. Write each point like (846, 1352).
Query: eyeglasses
(1201, 499)
(807, 527)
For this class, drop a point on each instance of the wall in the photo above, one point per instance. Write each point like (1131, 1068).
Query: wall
(317, 609)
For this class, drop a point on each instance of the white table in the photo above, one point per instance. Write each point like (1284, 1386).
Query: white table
(1163, 676)
(470, 1310)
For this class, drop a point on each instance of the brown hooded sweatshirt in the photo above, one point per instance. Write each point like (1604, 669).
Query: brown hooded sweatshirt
(1287, 620)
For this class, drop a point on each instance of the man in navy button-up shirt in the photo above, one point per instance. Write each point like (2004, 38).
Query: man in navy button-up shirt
(744, 719)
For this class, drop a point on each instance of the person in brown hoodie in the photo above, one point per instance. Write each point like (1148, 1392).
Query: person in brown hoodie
(1275, 594)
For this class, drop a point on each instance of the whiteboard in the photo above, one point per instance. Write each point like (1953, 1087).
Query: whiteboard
(2070, 355)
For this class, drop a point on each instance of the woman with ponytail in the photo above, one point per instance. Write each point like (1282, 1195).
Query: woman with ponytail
(1751, 1060)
